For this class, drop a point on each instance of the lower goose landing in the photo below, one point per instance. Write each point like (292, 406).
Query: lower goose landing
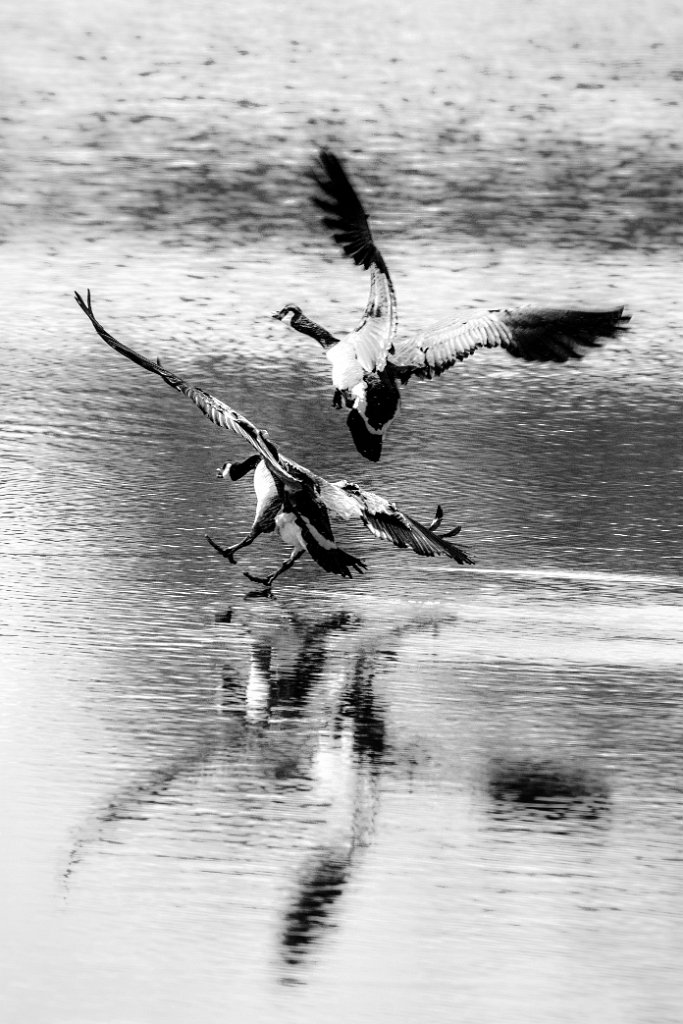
(292, 500)
(271, 517)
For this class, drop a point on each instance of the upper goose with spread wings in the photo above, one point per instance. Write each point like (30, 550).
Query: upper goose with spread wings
(293, 500)
(369, 363)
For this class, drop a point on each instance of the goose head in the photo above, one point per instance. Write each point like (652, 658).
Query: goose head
(288, 313)
(236, 470)
(294, 317)
(223, 472)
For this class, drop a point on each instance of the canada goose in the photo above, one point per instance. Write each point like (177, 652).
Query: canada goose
(369, 363)
(290, 498)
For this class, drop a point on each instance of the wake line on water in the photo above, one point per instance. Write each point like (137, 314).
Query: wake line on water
(671, 582)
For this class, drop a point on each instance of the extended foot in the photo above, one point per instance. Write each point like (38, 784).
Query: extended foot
(265, 581)
(225, 552)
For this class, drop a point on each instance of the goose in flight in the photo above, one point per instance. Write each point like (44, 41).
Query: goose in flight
(291, 499)
(370, 363)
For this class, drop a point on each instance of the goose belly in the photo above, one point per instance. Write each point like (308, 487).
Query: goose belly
(267, 497)
(346, 370)
(289, 531)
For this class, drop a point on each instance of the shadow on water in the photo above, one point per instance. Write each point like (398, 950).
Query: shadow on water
(545, 789)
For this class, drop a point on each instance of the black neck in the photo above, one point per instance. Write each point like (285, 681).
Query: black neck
(240, 469)
(303, 325)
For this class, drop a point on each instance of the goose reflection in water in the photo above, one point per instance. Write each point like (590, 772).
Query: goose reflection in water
(349, 764)
(343, 765)
(288, 662)
(299, 725)
(284, 665)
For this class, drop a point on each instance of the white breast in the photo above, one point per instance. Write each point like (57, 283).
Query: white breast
(346, 370)
(264, 488)
(360, 395)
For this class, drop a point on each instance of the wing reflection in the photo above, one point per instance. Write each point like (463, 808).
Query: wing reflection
(348, 764)
(130, 802)
(322, 883)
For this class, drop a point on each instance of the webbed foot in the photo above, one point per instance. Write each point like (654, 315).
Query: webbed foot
(265, 581)
(225, 552)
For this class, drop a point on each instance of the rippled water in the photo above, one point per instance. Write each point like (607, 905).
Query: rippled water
(429, 793)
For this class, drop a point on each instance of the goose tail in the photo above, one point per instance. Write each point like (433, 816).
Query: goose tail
(367, 441)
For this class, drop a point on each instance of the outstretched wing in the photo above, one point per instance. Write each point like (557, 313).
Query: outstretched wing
(527, 332)
(345, 217)
(218, 412)
(383, 519)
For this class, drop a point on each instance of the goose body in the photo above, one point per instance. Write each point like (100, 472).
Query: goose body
(268, 503)
(291, 499)
(370, 363)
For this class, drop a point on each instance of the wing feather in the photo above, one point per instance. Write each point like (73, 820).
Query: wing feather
(308, 496)
(220, 414)
(385, 521)
(532, 333)
(316, 532)
(345, 218)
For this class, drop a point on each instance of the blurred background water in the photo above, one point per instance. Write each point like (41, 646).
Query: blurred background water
(428, 793)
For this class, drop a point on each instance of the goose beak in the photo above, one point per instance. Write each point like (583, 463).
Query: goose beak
(278, 316)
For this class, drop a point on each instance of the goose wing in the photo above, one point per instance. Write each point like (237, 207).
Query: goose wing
(383, 519)
(528, 332)
(316, 532)
(345, 218)
(221, 414)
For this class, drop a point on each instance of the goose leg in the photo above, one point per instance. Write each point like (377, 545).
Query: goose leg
(230, 552)
(268, 581)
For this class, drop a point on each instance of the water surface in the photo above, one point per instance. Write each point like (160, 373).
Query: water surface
(428, 792)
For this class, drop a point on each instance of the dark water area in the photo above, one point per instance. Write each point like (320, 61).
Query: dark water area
(562, 120)
(430, 792)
